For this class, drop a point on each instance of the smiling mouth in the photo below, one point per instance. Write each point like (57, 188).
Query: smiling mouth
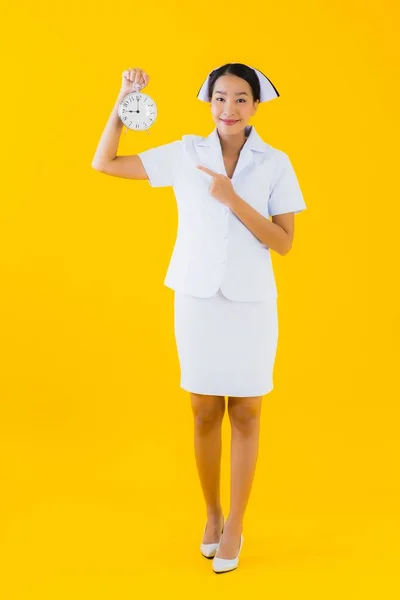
(229, 120)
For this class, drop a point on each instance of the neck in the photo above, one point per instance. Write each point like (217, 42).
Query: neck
(231, 145)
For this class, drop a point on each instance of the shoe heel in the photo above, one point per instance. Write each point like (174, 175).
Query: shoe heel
(209, 550)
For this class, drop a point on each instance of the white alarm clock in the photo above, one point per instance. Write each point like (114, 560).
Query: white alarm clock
(137, 111)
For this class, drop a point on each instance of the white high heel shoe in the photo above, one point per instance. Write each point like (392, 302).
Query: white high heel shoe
(209, 550)
(221, 565)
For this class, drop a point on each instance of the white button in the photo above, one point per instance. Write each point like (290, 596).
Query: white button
(226, 236)
(226, 211)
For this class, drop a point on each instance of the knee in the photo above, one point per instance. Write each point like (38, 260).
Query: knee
(208, 411)
(244, 414)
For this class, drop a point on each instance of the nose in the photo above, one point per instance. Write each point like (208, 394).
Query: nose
(229, 109)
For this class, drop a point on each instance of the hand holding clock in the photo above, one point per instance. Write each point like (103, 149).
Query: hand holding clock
(132, 76)
(137, 111)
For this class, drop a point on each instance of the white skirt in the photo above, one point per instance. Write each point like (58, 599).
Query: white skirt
(225, 348)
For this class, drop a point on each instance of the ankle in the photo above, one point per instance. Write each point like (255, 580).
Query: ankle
(214, 513)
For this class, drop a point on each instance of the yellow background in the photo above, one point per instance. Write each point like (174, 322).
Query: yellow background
(101, 497)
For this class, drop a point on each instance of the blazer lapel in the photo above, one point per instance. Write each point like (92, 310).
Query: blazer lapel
(210, 152)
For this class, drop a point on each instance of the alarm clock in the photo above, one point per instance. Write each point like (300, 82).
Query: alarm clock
(137, 111)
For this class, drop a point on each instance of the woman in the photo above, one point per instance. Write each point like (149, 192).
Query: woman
(227, 185)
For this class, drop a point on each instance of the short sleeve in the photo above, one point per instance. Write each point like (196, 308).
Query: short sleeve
(162, 163)
(285, 194)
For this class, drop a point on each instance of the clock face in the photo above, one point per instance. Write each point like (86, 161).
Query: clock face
(137, 111)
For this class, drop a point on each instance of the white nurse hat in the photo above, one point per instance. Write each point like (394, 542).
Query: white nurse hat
(267, 89)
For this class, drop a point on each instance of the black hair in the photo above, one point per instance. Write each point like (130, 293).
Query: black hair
(240, 70)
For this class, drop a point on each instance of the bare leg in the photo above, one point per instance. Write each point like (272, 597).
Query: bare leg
(208, 412)
(244, 414)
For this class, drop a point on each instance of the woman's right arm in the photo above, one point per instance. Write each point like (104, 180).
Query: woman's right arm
(105, 159)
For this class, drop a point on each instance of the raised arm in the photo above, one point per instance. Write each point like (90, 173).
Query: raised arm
(105, 159)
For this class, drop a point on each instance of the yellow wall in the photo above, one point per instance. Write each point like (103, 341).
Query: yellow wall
(100, 491)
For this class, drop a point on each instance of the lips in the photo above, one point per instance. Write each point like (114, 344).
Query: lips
(228, 121)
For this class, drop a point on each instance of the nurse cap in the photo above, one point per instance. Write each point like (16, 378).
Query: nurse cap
(267, 89)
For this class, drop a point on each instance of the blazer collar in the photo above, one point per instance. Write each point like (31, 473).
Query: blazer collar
(253, 142)
(246, 158)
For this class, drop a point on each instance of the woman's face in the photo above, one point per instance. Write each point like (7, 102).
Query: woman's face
(232, 99)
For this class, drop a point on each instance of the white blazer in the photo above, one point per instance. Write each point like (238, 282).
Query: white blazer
(213, 248)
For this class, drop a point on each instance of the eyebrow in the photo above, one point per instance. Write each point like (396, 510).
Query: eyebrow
(236, 93)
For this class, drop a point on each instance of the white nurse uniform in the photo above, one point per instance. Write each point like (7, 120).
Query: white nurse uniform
(225, 304)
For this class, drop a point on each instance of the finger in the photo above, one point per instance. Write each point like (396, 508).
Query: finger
(207, 170)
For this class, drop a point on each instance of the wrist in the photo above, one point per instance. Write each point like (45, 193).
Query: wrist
(234, 201)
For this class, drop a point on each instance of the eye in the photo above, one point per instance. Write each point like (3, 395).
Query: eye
(241, 99)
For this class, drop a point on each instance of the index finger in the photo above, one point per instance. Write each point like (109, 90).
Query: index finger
(206, 170)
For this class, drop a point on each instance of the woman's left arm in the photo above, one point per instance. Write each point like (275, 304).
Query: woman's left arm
(276, 234)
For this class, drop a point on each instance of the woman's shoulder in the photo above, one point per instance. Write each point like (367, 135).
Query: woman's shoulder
(189, 144)
(191, 137)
